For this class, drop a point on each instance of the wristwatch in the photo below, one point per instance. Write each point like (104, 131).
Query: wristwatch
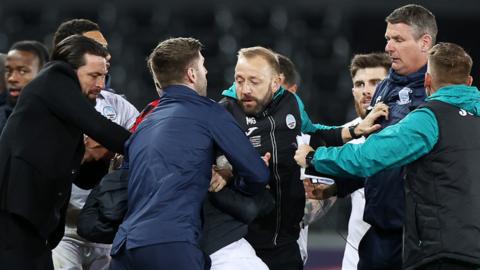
(309, 158)
(351, 130)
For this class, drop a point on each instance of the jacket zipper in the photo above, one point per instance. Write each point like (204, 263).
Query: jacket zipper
(276, 176)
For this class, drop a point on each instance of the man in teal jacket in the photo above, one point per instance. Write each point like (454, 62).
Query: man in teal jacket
(440, 143)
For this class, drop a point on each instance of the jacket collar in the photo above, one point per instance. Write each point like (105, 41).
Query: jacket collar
(417, 76)
(179, 90)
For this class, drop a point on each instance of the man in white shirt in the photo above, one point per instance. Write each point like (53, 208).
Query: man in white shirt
(366, 70)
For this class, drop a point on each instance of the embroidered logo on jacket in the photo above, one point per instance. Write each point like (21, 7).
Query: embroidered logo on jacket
(291, 122)
(250, 120)
(250, 130)
(256, 141)
(462, 112)
(404, 96)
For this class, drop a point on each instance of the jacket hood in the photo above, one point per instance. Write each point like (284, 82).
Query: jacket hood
(461, 96)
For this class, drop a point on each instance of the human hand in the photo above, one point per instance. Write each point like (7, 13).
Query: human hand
(94, 151)
(318, 191)
(301, 153)
(218, 180)
(368, 125)
(266, 158)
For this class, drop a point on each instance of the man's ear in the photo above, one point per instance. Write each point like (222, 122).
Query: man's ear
(191, 75)
(469, 80)
(426, 44)
(428, 83)
(277, 81)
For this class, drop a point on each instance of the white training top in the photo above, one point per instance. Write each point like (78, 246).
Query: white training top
(356, 226)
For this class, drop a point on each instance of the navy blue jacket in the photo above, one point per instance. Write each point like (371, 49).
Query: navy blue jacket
(170, 158)
(384, 194)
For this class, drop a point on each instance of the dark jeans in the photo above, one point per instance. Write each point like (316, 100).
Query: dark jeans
(165, 256)
(380, 250)
(21, 248)
(285, 257)
(448, 264)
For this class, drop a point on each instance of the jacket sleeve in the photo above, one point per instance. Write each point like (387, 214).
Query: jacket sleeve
(64, 98)
(104, 209)
(394, 146)
(346, 186)
(247, 163)
(90, 173)
(241, 207)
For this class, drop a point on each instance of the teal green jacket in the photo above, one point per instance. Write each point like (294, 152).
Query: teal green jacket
(396, 145)
(307, 125)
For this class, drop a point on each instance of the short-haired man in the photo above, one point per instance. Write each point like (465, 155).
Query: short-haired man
(24, 61)
(411, 32)
(170, 158)
(74, 251)
(366, 71)
(272, 117)
(437, 143)
(41, 149)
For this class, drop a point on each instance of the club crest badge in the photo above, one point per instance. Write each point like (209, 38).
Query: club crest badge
(109, 112)
(291, 122)
(404, 96)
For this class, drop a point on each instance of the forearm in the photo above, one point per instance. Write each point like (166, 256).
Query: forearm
(394, 146)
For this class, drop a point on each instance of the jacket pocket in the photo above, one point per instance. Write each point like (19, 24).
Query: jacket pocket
(427, 224)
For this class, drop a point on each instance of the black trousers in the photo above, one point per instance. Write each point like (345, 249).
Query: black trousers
(285, 257)
(21, 248)
(448, 264)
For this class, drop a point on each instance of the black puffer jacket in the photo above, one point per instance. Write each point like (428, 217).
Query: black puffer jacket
(105, 208)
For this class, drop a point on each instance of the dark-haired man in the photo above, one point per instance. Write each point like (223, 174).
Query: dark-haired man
(23, 62)
(366, 71)
(74, 251)
(41, 149)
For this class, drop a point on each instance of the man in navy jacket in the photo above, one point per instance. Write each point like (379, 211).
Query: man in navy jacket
(170, 159)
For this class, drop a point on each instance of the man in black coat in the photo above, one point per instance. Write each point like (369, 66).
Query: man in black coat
(42, 147)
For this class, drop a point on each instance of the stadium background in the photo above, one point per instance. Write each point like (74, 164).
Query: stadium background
(319, 36)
